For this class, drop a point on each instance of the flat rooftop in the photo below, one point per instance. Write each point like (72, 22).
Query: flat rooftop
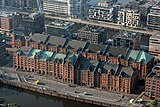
(92, 29)
(60, 24)
(7, 14)
(126, 35)
(155, 36)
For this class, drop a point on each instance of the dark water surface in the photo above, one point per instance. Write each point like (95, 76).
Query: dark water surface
(31, 99)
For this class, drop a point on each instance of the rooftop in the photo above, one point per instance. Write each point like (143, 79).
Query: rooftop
(126, 35)
(75, 44)
(155, 36)
(47, 39)
(100, 7)
(7, 14)
(60, 24)
(94, 48)
(139, 56)
(154, 75)
(47, 55)
(129, 10)
(92, 29)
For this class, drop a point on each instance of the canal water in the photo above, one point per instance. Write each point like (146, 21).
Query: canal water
(30, 99)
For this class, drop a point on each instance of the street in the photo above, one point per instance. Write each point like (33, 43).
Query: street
(48, 84)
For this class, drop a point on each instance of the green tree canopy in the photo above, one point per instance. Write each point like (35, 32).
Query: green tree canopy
(154, 102)
(13, 105)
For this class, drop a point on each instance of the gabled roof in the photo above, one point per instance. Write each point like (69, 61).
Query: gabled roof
(132, 55)
(86, 64)
(107, 66)
(72, 58)
(37, 37)
(139, 56)
(75, 44)
(19, 37)
(144, 56)
(127, 71)
(118, 70)
(56, 41)
(94, 48)
(116, 51)
(58, 56)
(24, 50)
(45, 55)
(33, 52)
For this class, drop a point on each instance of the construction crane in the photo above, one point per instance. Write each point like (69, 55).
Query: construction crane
(39, 5)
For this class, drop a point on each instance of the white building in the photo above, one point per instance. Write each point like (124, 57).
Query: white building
(71, 8)
(101, 13)
(128, 17)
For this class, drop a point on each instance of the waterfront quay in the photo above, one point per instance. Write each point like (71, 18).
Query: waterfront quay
(54, 88)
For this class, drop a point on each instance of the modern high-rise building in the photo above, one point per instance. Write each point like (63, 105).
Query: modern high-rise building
(128, 17)
(70, 8)
(153, 18)
(33, 23)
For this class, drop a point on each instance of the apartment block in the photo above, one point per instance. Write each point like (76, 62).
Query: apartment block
(59, 28)
(92, 34)
(56, 6)
(154, 42)
(69, 8)
(153, 18)
(101, 13)
(33, 23)
(152, 86)
(127, 39)
(9, 21)
(129, 18)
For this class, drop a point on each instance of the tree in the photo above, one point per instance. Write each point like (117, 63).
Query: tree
(154, 102)
(13, 105)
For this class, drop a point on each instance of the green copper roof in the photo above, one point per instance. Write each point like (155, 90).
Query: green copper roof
(45, 55)
(33, 52)
(133, 54)
(73, 58)
(146, 57)
(58, 56)
(139, 56)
